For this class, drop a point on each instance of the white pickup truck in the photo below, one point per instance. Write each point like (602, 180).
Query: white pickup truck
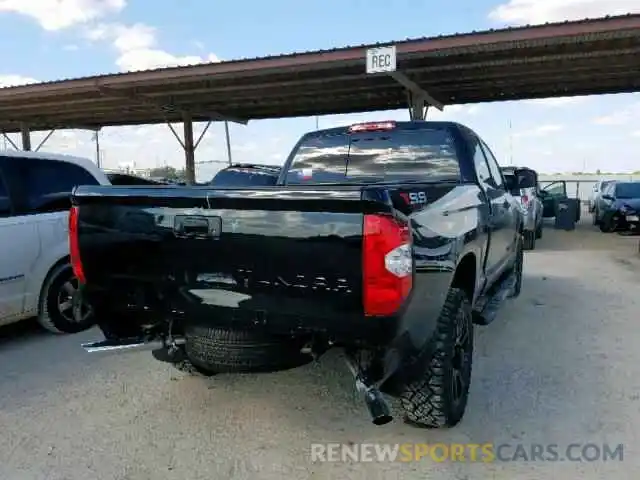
(36, 278)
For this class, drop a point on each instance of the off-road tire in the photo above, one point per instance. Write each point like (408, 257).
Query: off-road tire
(428, 401)
(529, 240)
(607, 226)
(517, 270)
(186, 366)
(49, 315)
(216, 350)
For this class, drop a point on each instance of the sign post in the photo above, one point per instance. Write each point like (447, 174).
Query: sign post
(384, 60)
(381, 60)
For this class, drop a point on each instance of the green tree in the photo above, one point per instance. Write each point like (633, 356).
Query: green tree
(169, 173)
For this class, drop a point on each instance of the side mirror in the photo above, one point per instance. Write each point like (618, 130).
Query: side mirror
(543, 193)
(511, 184)
(526, 178)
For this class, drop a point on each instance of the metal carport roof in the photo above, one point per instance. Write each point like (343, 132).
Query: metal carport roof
(593, 56)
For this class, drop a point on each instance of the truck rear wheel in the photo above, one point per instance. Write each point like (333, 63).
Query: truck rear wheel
(439, 397)
(216, 350)
(529, 240)
(607, 225)
(539, 229)
(518, 267)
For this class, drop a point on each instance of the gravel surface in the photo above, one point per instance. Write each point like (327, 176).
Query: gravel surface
(560, 365)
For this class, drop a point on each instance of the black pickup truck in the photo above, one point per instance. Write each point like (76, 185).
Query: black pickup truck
(387, 239)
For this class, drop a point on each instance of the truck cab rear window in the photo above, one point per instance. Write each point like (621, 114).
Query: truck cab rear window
(375, 156)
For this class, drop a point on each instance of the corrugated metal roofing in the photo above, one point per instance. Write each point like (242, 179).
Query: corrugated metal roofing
(591, 56)
(345, 48)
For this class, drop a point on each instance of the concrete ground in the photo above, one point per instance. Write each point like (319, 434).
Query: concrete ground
(560, 365)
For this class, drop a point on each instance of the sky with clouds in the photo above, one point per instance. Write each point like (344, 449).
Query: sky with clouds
(43, 40)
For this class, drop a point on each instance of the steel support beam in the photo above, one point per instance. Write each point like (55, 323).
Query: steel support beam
(189, 149)
(228, 140)
(417, 107)
(7, 138)
(26, 137)
(417, 92)
(96, 139)
(44, 140)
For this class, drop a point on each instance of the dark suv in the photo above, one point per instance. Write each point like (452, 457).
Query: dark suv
(244, 174)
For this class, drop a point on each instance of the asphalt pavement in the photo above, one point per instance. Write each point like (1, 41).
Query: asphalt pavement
(560, 366)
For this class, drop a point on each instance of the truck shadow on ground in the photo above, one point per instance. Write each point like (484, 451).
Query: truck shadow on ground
(537, 374)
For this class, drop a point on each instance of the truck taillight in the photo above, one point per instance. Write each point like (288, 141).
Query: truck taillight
(74, 247)
(525, 200)
(387, 264)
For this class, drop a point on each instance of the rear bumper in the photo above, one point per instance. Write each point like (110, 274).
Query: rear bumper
(129, 319)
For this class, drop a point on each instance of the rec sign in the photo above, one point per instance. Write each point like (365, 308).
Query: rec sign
(381, 60)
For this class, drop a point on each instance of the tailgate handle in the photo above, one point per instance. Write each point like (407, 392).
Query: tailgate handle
(197, 226)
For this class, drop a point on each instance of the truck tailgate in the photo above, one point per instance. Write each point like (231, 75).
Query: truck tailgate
(288, 252)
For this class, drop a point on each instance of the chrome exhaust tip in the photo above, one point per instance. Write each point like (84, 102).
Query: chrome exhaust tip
(378, 407)
(127, 344)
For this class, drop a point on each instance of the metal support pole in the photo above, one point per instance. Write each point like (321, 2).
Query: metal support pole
(26, 137)
(226, 134)
(417, 106)
(189, 150)
(97, 139)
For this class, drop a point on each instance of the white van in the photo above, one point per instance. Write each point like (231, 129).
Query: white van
(36, 278)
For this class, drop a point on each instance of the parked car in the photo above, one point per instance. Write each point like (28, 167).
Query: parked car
(391, 251)
(553, 193)
(36, 278)
(244, 174)
(598, 187)
(618, 207)
(127, 179)
(529, 201)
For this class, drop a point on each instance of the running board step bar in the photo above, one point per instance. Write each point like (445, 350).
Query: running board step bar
(128, 344)
(490, 309)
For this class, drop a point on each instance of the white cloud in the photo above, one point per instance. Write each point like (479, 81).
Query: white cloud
(540, 131)
(14, 80)
(554, 102)
(520, 12)
(137, 47)
(123, 37)
(60, 14)
(150, 58)
(624, 116)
